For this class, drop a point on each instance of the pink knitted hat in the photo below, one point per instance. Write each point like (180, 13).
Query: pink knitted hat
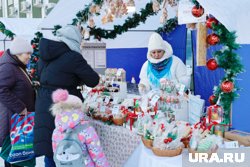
(63, 100)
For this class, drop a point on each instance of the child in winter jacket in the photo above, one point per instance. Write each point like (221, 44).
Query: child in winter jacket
(69, 116)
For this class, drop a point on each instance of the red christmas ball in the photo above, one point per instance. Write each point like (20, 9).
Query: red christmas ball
(34, 46)
(211, 21)
(212, 64)
(213, 39)
(212, 100)
(32, 71)
(197, 11)
(35, 59)
(227, 86)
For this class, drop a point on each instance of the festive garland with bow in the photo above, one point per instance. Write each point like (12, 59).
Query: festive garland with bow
(226, 58)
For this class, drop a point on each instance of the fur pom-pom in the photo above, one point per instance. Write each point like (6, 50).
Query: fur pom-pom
(60, 95)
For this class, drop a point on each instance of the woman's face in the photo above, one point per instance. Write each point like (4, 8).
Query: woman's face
(24, 58)
(157, 54)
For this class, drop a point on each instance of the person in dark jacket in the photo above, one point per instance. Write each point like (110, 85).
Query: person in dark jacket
(16, 91)
(61, 65)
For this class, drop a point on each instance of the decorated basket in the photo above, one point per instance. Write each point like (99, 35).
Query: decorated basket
(167, 153)
(209, 153)
(147, 143)
(105, 119)
(118, 121)
(96, 116)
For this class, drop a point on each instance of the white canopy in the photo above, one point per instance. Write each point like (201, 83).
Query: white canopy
(66, 10)
(233, 14)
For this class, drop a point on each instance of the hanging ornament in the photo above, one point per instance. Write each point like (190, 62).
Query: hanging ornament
(35, 59)
(86, 35)
(110, 17)
(210, 22)
(32, 72)
(164, 16)
(197, 11)
(97, 9)
(92, 9)
(105, 17)
(91, 23)
(172, 3)
(124, 9)
(212, 64)
(227, 86)
(213, 39)
(156, 6)
(34, 46)
(212, 100)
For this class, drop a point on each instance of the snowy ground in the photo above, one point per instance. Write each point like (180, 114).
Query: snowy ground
(39, 162)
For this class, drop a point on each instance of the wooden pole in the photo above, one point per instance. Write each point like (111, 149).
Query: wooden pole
(201, 47)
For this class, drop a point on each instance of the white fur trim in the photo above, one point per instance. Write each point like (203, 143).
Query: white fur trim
(60, 107)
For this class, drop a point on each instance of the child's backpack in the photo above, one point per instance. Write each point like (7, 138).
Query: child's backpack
(69, 151)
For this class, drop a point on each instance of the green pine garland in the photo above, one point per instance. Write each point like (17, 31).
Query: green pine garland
(35, 56)
(83, 16)
(5, 31)
(226, 58)
(169, 26)
(230, 61)
(130, 22)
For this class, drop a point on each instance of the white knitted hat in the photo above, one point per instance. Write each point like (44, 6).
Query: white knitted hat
(19, 46)
(157, 43)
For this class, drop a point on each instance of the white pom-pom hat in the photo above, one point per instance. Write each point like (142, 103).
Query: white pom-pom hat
(64, 101)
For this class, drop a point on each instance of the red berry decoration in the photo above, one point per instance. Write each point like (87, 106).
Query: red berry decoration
(211, 21)
(212, 64)
(170, 140)
(212, 100)
(227, 86)
(165, 141)
(213, 39)
(197, 11)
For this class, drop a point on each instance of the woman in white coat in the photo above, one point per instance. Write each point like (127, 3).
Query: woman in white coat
(161, 63)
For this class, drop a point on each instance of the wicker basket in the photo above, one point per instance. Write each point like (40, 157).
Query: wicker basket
(105, 119)
(209, 153)
(167, 153)
(96, 117)
(185, 141)
(147, 143)
(118, 121)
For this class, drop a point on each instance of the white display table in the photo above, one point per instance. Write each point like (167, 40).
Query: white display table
(144, 157)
